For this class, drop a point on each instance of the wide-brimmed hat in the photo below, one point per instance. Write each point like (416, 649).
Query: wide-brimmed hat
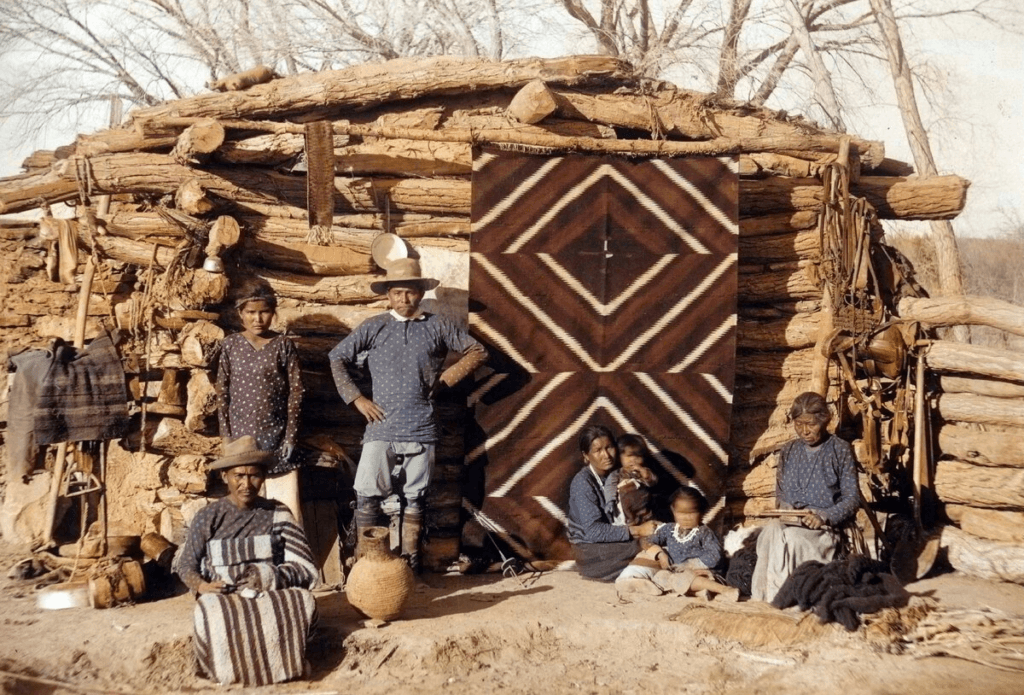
(403, 270)
(241, 452)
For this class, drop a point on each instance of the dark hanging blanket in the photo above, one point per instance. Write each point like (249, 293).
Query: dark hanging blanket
(66, 395)
(605, 290)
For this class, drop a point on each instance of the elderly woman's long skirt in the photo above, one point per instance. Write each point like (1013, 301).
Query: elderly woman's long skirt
(253, 641)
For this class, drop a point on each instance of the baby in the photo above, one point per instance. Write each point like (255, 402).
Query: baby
(634, 480)
(682, 555)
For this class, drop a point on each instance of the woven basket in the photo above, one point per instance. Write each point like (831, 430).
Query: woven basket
(380, 583)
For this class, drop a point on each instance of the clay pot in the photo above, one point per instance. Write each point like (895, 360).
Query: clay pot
(380, 583)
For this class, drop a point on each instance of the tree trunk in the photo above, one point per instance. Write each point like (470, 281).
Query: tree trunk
(947, 255)
(979, 486)
(982, 448)
(826, 95)
(982, 558)
(947, 356)
(974, 311)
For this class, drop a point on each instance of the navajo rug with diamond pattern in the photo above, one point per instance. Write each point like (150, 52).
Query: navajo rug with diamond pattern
(605, 290)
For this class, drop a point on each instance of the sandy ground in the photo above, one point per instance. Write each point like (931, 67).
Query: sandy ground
(551, 633)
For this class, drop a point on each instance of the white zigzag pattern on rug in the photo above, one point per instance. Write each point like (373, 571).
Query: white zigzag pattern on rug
(623, 422)
(645, 201)
(544, 319)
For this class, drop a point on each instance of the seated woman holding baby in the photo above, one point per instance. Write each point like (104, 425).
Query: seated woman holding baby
(602, 541)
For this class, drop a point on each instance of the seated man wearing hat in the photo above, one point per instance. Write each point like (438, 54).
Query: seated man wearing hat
(251, 568)
(405, 350)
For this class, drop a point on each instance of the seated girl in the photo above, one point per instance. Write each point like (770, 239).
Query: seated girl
(683, 555)
(816, 472)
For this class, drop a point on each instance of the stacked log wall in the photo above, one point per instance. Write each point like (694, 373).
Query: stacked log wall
(977, 412)
(403, 158)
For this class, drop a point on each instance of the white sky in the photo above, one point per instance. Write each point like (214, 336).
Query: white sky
(979, 137)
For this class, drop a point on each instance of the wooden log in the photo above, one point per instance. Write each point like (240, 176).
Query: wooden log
(243, 80)
(947, 356)
(169, 436)
(764, 392)
(980, 387)
(122, 140)
(780, 365)
(331, 320)
(202, 400)
(533, 103)
(762, 164)
(982, 448)
(458, 125)
(983, 558)
(199, 341)
(224, 234)
(38, 160)
(187, 473)
(778, 223)
(779, 282)
(749, 509)
(979, 486)
(271, 149)
(394, 80)
(799, 331)
(910, 198)
(758, 481)
(351, 288)
(934, 198)
(967, 407)
(190, 198)
(405, 158)
(805, 245)
(197, 142)
(688, 114)
(309, 259)
(964, 311)
(993, 524)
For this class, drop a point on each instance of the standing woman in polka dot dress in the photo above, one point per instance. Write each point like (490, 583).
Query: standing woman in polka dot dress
(260, 387)
(816, 472)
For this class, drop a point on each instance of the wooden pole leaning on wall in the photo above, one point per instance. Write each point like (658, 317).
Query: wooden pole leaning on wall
(819, 369)
(62, 448)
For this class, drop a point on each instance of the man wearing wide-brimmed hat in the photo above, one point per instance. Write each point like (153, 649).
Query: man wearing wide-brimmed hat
(405, 351)
(251, 569)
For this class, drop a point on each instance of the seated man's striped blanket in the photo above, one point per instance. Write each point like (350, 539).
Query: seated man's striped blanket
(240, 638)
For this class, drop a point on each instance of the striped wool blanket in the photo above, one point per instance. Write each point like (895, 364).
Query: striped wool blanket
(254, 641)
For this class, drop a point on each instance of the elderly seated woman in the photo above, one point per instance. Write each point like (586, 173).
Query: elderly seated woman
(251, 568)
(602, 542)
(816, 474)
